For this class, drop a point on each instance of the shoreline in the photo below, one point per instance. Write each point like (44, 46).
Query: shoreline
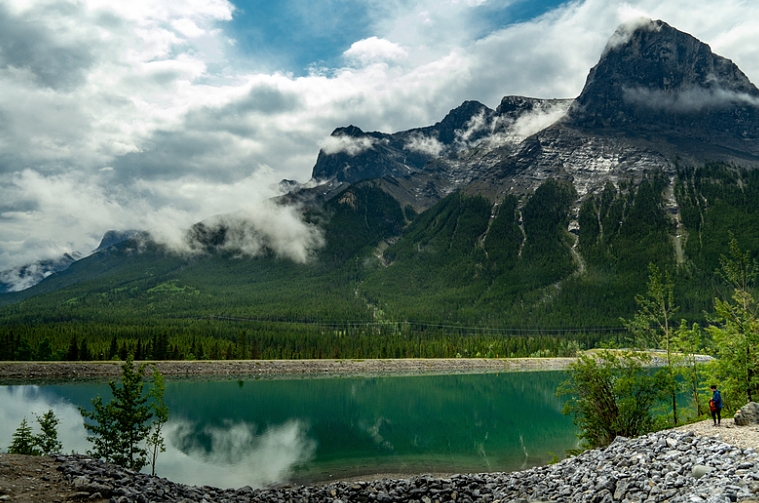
(12, 371)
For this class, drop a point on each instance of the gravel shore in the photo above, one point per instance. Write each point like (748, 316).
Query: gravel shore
(410, 366)
(672, 466)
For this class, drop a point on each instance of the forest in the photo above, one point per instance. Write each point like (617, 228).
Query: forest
(464, 278)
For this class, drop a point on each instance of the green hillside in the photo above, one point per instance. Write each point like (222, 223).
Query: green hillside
(453, 279)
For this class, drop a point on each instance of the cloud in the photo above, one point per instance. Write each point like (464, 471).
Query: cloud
(694, 99)
(270, 228)
(424, 144)
(478, 124)
(24, 401)
(347, 144)
(526, 125)
(625, 30)
(374, 50)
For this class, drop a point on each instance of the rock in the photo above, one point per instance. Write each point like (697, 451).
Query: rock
(748, 414)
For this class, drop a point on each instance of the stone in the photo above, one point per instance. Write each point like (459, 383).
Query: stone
(699, 471)
(747, 415)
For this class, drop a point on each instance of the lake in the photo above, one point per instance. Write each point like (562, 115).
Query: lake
(257, 432)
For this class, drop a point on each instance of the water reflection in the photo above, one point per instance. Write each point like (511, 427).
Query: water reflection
(228, 455)
(261, 432)
(208, 452)
(19, 402)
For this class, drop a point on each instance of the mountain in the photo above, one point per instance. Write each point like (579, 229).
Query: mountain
(21, 278)
(540, 215)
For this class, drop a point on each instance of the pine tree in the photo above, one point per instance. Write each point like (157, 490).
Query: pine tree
(84, 352)
(113, 349)
(44, 350)
(48, 441)
(154, 441)
(72, 354)
(121, 425)
(23, 441)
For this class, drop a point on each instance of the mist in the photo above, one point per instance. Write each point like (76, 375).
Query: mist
(694, 99)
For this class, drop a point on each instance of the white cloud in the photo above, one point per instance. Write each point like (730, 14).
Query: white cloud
(692, 99)
(347, 144)
(625, 30)
(528, 124)
(374, 50)
(424, 144)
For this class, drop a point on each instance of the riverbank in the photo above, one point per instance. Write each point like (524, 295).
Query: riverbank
(673, 466)
(260, 368)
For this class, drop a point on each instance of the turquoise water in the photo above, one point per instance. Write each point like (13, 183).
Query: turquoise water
(259, 432)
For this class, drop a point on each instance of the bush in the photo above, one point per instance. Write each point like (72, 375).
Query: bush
(611, 395)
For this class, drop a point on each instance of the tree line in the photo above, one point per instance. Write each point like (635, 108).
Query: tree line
(225, 340)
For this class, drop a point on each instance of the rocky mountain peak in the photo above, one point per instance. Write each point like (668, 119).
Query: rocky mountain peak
(651, 74)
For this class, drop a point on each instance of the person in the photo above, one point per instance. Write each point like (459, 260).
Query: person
(715, 405)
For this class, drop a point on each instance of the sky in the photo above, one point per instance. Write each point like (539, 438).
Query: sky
(156, 114)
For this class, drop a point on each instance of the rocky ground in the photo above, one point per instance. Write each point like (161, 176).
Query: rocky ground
(81, 370)
(663, 466)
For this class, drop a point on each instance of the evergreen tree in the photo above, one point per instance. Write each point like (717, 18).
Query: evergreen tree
(47, 440)
(44, 350)
(84, 352)
(113, 348)
(23, 441)
(72, 354)
(123, 352)
(24, 351)
(154, 441)
(123, 424)
(138, 354)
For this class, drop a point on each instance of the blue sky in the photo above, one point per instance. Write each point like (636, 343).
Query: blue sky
(156, 114)
(292, 36)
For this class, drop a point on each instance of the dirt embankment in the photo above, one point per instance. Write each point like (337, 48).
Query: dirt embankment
(86, 370)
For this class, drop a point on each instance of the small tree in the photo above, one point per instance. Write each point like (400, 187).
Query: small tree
(735, 327)
(121, 425)
(47, 440)
(688, 341)
(653, 328)
(610, 395)
(23, 441)
(154, 440)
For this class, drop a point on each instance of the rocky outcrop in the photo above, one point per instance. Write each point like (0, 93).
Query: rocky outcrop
(654, 79)
(352, 155)
(665, 466)
(657, 94)
(748, 414)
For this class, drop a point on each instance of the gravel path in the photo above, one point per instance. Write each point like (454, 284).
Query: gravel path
(740, 436)
(82, 370)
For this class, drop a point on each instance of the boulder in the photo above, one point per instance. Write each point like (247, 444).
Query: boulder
(749, 414)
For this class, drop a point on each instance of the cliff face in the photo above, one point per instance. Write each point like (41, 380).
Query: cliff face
(653, 78)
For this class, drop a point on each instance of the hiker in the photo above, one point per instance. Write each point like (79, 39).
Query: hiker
(715, 405)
